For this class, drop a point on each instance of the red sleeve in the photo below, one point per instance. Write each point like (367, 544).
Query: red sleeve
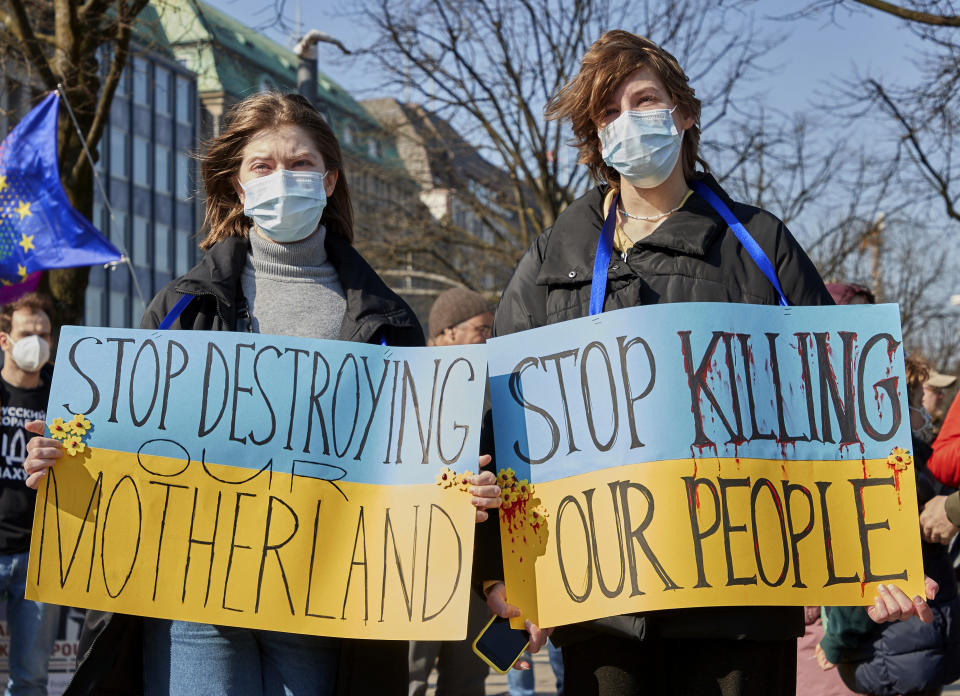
(944, 463)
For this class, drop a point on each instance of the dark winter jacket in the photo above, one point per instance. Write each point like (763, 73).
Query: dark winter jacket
(111, 658)
(691, 257)
(906, 656)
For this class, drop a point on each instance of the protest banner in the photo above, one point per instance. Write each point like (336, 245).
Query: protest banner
(261, 481)
(703, 455)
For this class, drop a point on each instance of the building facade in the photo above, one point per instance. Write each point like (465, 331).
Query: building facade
(151, 211)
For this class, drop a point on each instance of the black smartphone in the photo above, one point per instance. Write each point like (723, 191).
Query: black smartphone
(499, 645)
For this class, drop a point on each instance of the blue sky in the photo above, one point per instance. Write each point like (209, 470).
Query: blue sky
(815, 54)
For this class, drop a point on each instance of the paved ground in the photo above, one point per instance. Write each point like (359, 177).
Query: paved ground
(497, 683)
(543, 678)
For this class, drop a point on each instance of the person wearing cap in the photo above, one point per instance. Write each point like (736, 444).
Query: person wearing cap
(933, 395)
(459, 317)
(940, 517)
(850, 294)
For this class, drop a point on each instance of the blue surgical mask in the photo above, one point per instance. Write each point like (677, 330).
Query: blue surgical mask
(286, 206)
(643, 146)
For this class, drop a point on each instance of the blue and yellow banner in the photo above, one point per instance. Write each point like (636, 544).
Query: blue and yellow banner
(269, 482)
(704, 454)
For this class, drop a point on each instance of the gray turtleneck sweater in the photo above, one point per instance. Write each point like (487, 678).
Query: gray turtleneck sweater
(292, 289)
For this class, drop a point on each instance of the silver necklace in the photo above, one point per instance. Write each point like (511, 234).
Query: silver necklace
(651, 218)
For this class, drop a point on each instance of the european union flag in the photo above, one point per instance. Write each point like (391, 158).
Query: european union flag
(39, 229)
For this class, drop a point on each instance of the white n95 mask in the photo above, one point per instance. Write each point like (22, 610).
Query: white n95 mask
(31, 353)
(286, 205)
(643, 146)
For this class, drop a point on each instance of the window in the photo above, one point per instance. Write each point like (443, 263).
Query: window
(161, 247)
(116, 229)
(184, 247)
(183, 185)
(184, 100)
(141, 81)
(118, 153)
(161, 89)
(93, 306)
(348, 135)
(118, 309)
(141, 241)
(161, 168)
(141, 160)
(123, 88)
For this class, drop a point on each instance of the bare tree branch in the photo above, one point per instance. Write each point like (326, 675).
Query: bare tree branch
(930, 18)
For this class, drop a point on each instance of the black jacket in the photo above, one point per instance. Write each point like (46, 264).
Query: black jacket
(691, 257)
(111, 658)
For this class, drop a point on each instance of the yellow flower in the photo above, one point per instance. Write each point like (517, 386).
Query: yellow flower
(899, 459)
(462, 483)
(74, 445)
(523, 489)
(506, 499)
(446, 477)
(79, 425)
(59, 430)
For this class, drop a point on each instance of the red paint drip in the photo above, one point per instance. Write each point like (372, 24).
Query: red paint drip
(896, 479)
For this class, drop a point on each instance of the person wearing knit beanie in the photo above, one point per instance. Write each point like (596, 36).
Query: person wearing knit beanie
(459, 317)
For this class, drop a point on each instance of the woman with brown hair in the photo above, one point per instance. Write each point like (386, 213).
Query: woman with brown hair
(654, 230)
(279, 260)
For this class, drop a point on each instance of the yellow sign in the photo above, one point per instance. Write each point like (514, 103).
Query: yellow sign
(197, 542)
(713, 532)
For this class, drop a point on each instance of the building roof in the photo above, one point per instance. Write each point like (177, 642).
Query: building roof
(231, 58)
(434, 154)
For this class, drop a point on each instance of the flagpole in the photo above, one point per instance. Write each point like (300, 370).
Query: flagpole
(103, 191)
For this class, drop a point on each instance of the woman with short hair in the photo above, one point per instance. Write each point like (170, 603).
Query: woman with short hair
(663, 231)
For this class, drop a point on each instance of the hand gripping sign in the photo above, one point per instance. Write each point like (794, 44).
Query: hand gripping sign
(704, 454)
(261, 481)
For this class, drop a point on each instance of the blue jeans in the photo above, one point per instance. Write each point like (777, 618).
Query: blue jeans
(521, 682)
(33, 630)
(181, 658)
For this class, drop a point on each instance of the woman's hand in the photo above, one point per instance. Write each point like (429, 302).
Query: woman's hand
(484, 489)
(497, 601)
(891, 604)
(822, 660)
(42, 453)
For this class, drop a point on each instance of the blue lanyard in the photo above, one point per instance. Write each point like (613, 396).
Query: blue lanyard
(746, 239)
(601, 263)
(175, 312)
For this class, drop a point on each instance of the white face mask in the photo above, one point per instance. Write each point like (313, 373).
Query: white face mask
(31, 353)
(286, 206)
(925, 431)
(643, 146)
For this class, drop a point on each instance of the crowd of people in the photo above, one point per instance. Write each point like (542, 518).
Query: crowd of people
(655, 229)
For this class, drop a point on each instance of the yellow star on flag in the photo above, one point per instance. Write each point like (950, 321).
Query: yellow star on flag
(23, 209)
(21, 270)
(26, 242)
(5, 282)
(3, 182)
